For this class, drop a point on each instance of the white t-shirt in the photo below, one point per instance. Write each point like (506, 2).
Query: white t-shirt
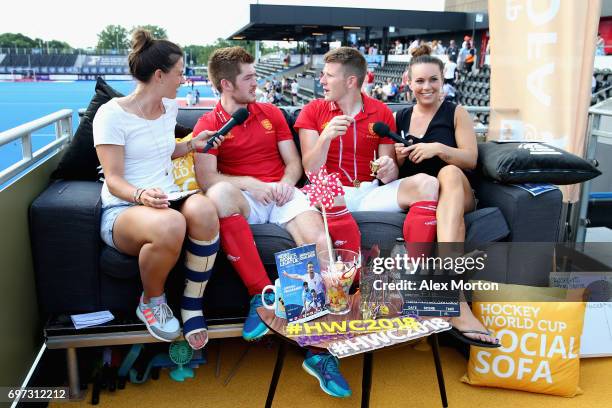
(449, 70)
(148, 146)
(295, 87)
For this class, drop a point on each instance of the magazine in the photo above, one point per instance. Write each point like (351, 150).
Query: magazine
(301, 283)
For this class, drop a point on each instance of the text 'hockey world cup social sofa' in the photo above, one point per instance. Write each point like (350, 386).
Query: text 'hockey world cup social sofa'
(77, 272)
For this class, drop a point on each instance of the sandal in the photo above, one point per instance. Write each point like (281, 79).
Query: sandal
(461, 335)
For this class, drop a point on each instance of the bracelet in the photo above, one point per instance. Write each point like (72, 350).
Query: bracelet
(138, 200)
(135, 195)
(192, 147)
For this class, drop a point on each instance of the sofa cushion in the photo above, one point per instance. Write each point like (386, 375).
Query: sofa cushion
(532, 162)
(80, 162)
(65, 237)
(485, 225)
(528, 217)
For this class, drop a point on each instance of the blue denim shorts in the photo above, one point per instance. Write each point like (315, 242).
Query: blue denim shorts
(109, 215)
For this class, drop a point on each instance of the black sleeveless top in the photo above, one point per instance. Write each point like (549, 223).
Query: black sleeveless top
(441, 129)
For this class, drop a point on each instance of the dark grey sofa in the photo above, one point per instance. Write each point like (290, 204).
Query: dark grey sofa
(76, 272)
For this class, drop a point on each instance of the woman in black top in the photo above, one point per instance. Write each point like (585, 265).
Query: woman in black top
(443, 146)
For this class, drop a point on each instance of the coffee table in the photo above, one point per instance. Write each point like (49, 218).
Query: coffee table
(278, 325)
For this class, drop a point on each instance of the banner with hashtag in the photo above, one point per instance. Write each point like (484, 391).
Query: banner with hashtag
(372, 341)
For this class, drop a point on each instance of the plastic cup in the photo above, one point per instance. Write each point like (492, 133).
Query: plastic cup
(338, 278)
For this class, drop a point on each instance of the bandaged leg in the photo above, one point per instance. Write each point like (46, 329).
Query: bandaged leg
(199, 260)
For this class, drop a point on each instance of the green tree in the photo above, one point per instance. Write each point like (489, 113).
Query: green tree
(157, 31)
(10, 40)
(58, 45)
(113, 37)
(200, 54)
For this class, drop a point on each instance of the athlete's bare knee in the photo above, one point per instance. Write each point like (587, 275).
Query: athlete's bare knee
(169, 231)
(225, 197)
(451, 176)
(427, 187)
(201, 215)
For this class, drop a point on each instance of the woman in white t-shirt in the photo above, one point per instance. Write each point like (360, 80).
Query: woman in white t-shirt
(134, 139)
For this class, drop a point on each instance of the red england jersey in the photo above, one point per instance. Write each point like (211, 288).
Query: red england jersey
(341, 157)
(250, 149)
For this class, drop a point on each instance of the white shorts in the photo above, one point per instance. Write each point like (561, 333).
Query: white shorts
(370, 196)
(262, 213)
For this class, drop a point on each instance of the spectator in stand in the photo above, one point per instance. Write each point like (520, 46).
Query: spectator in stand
(448, 93)
(399, 47)
(600, 45)
(295, 88)
(378, 92)
(369, 82)
(463, 53)
(374, 50)
(452, 51)
(441, 48)
(261, 95)
(413, 46)
(390, 91)
(437, 47)
(450, 71)
(278, 96)
(362, 49)
(386, 89)
(405, 88)
(470, 58)
(394, 92)
(466, 40)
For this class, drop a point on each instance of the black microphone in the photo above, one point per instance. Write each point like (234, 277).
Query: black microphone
(382, 129)
(237, 119)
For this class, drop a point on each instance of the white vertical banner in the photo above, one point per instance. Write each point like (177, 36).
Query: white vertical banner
(542, 54)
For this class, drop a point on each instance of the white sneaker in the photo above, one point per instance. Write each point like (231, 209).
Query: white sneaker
(160, 321)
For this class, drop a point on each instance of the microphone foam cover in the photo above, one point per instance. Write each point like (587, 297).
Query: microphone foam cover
(240, 115)
(381, 129)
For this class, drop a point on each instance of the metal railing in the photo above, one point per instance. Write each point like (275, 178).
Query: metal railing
(579, 222)
(63, 135)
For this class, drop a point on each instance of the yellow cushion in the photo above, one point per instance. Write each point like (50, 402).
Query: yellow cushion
(540, 340)
(182, 168)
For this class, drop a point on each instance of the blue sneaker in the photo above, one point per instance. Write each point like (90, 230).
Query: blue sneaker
(254, 328)
(324, 367)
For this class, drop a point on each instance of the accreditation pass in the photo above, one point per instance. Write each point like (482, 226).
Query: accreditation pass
(33, 394)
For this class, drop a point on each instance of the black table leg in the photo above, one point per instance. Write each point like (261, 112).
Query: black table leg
(366, 380)
(278, 367)
(439, 373)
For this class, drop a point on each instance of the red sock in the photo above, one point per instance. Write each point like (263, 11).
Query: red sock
(239, 246)
(344, 231)
(420, 228)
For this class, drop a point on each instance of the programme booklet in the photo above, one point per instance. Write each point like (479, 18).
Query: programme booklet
(300, 277)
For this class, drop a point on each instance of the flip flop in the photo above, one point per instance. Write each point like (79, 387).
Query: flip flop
(461, 335)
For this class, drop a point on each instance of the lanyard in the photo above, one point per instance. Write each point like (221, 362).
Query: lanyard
(353, 180)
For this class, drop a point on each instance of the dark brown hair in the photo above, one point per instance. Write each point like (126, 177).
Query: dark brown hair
(224, 63)
(422, 55)
(148, 55)
(351, 60)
